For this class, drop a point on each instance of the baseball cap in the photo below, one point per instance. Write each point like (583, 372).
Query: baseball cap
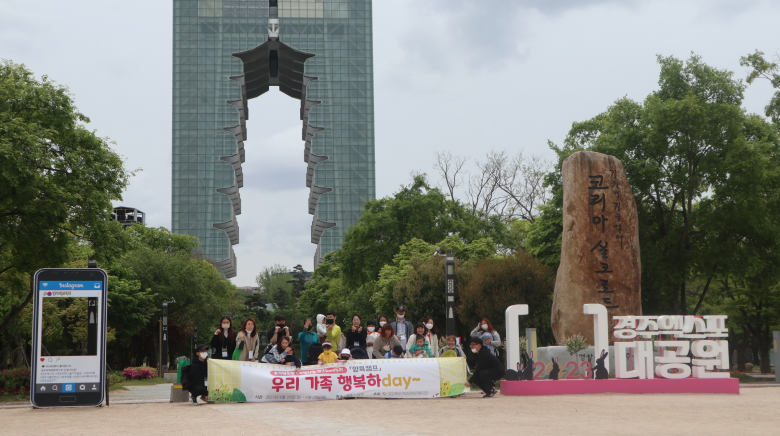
(346, 351)
(326, 344)
(400, 309)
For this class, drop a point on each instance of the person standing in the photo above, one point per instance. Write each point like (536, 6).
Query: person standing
(356, 334)
(433, 338)
(224, 340)
(371, 336)
(333, 331)
(248, 342)
(490, 337)
(386, 342)
(402, 328)
(306, 338)
(278, 330)
(488, 370)
(198, 374)
(381, 320)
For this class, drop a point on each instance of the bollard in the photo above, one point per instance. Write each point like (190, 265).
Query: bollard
(776, 343)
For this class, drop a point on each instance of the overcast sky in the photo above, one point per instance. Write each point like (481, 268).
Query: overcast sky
(465, 76)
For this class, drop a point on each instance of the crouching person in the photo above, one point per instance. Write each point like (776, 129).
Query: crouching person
(197, 376)
(488, 370)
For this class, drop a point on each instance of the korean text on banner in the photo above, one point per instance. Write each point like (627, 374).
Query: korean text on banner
(378, 378)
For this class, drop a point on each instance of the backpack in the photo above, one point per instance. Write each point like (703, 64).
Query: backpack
(185, 376)
(314, 352)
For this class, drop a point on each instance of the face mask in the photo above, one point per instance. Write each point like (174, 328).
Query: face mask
(308, 328)
(484, 326)
(204, 354)
(400, 316)
(382, 323)
(344, 357)
(429, 326)
(474, 350)
(371, 329)
(226, 327)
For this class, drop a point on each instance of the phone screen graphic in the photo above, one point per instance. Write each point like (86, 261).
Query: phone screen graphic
(69, 337)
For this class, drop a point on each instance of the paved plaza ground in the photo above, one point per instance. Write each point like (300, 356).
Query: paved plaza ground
(754, 411)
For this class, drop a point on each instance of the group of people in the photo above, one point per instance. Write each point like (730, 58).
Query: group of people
(377, 339)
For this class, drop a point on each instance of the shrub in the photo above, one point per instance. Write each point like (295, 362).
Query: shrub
(14, 380)
(497, 283)
(139, 373)
(575, 343)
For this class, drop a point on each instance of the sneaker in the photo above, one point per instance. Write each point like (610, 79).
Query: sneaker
(490, 394)
(194, 402)
(203, 397)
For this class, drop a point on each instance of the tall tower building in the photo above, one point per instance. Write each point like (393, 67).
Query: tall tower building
(225, 53)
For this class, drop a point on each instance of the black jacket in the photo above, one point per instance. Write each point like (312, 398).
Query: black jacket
(199, 372)
(216, 344)
(352, 337)
(488, 361)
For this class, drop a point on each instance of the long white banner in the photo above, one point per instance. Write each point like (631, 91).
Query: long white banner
(234, 381)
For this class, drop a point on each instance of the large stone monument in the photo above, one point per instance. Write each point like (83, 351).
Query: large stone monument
(600, 249)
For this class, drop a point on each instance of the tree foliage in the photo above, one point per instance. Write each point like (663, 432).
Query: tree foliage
(416, 211)
(57, 182)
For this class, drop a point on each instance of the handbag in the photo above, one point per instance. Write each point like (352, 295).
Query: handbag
(237, 351)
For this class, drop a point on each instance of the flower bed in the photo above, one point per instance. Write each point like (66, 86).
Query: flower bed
(14, 381)
(139, 373)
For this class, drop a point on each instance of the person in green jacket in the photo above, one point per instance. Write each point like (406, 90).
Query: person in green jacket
(420, 348)
(306, 338)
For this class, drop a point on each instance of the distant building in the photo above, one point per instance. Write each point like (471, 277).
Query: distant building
(228, 52)
(128, 215)
(250, 289)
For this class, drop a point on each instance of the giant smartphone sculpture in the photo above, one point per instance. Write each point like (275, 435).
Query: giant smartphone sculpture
(69, 360)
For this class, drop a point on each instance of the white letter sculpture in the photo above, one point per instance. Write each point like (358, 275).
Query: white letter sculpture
(513, 334)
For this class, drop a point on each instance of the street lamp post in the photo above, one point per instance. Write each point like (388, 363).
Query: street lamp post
(450, 304)
(164, 338)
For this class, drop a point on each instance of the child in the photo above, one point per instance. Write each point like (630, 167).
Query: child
(396, 353)
(453, 347)
(327, 356)
(345, 356)
(420, 348)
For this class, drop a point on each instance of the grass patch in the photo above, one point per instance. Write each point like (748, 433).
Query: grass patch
(145, 382)
(744, 378)
(15, 398)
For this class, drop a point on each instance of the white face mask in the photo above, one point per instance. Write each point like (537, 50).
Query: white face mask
(429, 326)
(371, 329)
(484, 326)
(400, 316)
(204, 354)
(382, 323)
(474, 350)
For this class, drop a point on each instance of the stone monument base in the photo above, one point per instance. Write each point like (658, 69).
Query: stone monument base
(622, 386)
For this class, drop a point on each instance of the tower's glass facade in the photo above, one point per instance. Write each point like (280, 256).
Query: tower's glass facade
(208, 132)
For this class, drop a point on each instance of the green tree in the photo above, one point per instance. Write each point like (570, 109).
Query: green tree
(274, 282)
(495, 283)
(763, 69)
(680, 147)
(57, 183)
(166, 267)
(416, 211)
